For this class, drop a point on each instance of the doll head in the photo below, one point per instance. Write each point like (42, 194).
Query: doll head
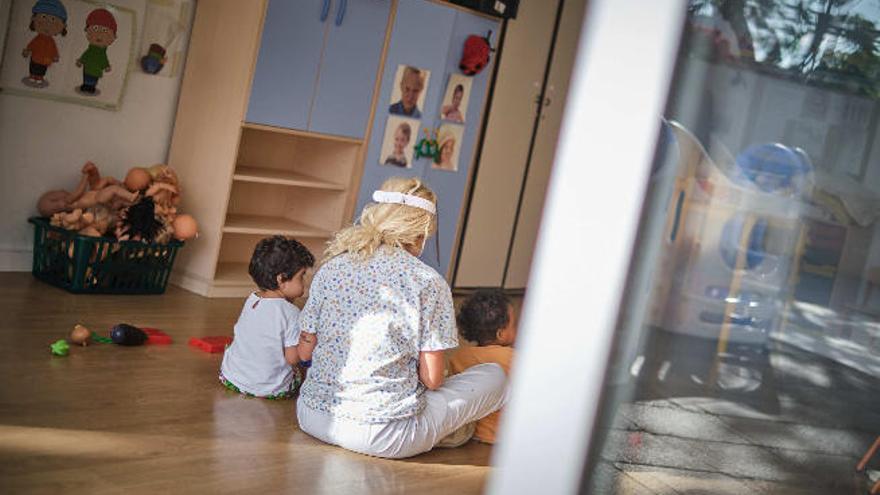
(52, 202)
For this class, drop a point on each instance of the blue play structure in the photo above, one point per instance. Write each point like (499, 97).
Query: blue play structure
(733, 227)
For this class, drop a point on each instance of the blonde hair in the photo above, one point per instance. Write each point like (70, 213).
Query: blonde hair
(388, 224)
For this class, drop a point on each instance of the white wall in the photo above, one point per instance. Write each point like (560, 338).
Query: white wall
(44, 143)
(5, 6)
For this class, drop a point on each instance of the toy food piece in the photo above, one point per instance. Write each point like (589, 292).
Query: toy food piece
(101, 339)
(185, 227)
(125, 334)
(80, 335)
(211, 344)
(60, 348)
(156, 336)
(137, 179)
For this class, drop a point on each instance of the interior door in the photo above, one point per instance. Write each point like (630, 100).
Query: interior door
(544, 149)
(511, 121)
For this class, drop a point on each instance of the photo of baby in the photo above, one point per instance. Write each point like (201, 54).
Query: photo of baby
(408, 91)
(455, 100)
(448, 147)
(397, 146)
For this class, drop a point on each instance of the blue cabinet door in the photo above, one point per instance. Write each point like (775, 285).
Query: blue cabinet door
(349, 67)
(288, 62)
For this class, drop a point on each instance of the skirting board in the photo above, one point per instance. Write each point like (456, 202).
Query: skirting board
(202, 287)
(16, 260)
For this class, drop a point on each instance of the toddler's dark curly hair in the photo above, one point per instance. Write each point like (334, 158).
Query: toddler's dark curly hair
(278, 255)
(482, 315)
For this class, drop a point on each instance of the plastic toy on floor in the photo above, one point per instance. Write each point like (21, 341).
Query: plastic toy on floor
(80, 335)
(60, 348)
(156, 336)
(125, 334)
(211, 345)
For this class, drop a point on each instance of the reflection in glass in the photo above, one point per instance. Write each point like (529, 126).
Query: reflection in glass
(748, 353)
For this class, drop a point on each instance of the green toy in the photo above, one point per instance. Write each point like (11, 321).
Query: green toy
(60, 348)
(101, 340)
(427, 146)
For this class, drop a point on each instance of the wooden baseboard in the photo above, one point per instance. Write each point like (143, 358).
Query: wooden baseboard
(16, 260)
(204, 287)
(190, 282)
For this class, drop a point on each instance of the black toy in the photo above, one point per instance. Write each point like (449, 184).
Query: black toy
(125, 334)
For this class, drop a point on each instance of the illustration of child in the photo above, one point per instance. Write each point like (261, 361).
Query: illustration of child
(100, 33)
(264, 349)
(402, 135)
(48, 19)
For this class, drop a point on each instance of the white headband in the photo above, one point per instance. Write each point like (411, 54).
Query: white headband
(404, 199)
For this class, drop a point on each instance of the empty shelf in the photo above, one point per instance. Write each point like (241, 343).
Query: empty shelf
(282, 177)
(256, 224)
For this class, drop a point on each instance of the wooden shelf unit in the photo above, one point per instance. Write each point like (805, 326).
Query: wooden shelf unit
(285, 182)
(257, 224)
(245, 181)
(280, 177)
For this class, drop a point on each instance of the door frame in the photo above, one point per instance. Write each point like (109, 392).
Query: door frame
(620, 82)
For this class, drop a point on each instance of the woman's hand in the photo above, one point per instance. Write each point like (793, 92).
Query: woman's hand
(431, 367)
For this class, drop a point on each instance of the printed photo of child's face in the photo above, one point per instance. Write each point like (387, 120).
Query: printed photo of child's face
(48, 25)
(410, 88)
(446, 152)
(456, 97)
(449, 147)
(400, 132)
(400, 141)
(100, 35)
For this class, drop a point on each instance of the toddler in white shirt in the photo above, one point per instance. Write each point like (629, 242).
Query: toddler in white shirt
(261, 360)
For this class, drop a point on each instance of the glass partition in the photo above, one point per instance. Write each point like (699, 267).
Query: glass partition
(747, 351)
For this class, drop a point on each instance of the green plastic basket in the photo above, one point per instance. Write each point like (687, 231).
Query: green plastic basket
(100, 265)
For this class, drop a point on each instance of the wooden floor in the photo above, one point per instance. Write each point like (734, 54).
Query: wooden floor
(153, 419)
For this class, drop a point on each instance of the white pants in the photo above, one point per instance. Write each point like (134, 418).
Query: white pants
(463, 398)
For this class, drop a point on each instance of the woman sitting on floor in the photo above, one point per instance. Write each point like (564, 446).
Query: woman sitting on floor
(375, 327)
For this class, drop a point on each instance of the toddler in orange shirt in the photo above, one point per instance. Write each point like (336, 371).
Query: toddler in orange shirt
(486, 318)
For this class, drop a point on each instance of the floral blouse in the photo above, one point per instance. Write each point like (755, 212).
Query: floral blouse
(372, 318)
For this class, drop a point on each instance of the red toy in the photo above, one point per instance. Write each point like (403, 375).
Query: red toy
(475, 55)
(211, 344)
(156, 336)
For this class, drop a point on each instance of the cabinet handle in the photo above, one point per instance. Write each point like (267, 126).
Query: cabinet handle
(340, 11)
(325, 10)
